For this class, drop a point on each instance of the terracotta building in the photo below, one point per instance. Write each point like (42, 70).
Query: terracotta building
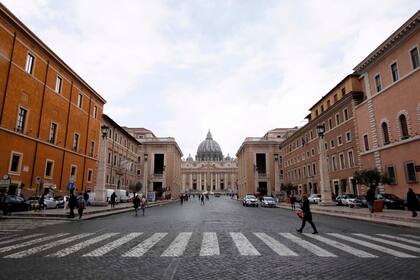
(388, 120)
(161, 161)
(210, 171)
(49, 116)
(300, 151)
(260, 163)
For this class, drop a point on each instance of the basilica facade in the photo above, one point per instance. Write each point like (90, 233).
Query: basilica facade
(210, 171)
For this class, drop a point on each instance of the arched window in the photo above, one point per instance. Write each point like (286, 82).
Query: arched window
(403, 126)
(385, 133)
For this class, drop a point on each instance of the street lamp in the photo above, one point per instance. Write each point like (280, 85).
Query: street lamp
(326, 199)
(104, 131)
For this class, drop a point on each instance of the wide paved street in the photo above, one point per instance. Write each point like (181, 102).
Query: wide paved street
(221, 240)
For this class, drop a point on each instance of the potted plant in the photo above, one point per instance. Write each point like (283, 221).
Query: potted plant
(372, 178)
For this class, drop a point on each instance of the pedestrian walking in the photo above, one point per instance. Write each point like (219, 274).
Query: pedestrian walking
(143, 204)
(412, 202)
(41, 202)
(81, 205)
(113, 197)
(307, 215)
(86, 197)
(370, 198)
(136, 202)
(202, 199)
(292, 202)
(181, 198)
(72, 204)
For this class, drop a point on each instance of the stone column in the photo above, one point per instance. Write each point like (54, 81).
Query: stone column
(191, 181)
(199, 182)
(325, 186)
(217, 181)
(183, 183)
(101, 175)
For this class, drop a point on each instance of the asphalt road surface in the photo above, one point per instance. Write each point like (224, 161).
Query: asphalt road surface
(220, 240)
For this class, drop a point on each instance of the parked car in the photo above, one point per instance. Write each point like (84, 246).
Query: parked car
(391, 201)
(13, 203)
(268, 201)
(338, 200)
(217, 195)
(363, 200)
(351, 200)
(49, 202)
(61, 200)
(314, 198)
(250, 200)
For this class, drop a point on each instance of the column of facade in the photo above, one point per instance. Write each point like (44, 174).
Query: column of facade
(217, 182)
(225, 180)
(183, 183)
(191, 181)
(205, 180)
(199, 182)
(211, 180)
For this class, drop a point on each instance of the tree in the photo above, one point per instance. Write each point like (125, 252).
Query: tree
(135, 188)
(288, 188)
(371, 178)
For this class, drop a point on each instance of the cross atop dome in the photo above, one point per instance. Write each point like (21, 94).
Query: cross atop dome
(209, 135)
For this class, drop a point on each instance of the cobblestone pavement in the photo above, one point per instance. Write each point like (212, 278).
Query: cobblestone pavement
(221, 240)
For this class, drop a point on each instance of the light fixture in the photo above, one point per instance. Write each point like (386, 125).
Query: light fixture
(276, 157)
(146, 157)
(104, 130)
(321, 130)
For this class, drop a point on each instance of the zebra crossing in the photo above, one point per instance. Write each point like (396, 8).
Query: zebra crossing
(13, 226)
(208, 244)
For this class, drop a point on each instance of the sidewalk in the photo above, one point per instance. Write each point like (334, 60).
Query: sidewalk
(91, 212)
(388, 216)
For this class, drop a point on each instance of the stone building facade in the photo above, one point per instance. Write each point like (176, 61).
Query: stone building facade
(50, 117)
(210, 171)
(388, 120)
(260, 164)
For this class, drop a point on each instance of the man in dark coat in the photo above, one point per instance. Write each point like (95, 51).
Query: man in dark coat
(412, 202)
(307, 215)
(113, 197)
(72, 204)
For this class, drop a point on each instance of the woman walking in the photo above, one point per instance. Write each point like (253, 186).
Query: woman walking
(307, 215)
(81, 205)
(136, 202)
(143, 204)
(412, 202)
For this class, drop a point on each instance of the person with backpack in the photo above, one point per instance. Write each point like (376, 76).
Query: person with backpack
(72, 204)
(143, 204)
(113, 197)
(81, 205)
(136, 203)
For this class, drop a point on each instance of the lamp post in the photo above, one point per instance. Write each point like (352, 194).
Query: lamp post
(100, 186)
(326, 199)
(146, 174)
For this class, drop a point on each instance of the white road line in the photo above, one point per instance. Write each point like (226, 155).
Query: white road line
(178, 246)
(31, 242)
(34, 250)
(7, 236)
(308, 245)
(145, 246)
(20, 238)
(210, 244)
(389, 242)
(400, 239)
(80, 246)
(114, 244)
(372, 246)
(411, 235)
(275, 245)
(341, 246)
(245, 247)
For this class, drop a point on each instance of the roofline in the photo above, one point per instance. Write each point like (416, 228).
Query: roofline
(24, 29)
(146, 142)
(407, 27)
(334, 88)
(114, 123)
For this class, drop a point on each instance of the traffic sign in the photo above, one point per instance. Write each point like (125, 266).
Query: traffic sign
(38, 180)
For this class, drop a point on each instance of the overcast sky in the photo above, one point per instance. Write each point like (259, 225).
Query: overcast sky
(239, 68)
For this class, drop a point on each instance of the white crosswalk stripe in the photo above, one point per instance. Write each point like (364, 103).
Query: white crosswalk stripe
(80, 246)
(243, 245)
(411, 235)
(388, 242)
(210, 244)
(20, 238)
(18, 225)
(7, 236)
(113, 245)
(31, 242)
(308, 246)
(145, 246)
(341, 246)
(178, 246)
(35, 250)
(400, 239)
(275, 245)
(372, 246)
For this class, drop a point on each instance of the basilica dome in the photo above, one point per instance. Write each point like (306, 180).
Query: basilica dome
(209, 150)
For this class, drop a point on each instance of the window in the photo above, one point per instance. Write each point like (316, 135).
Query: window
(332, 144)
(73, 171)
(90, 175)
(79, 100)
(92, 148)
(322, 108)
(378, 83)
(21, 120)
(335, 97)
(53, 133)
(115, 160)
(385, 133)
(313, 152)
(58, 84)
(339, 140)
(328, 103)
(29, 63)
(314, 168)
(366, 142)
(15, 162)
(351, 159)
(109, 158)
(342, 162)
(410, 172)
(75, 142)
(348, 136)
(414, 53)
(394, 72)
(343, 90)
(337, 119)
(95, 111)
(346, 114)
(334, 164)
(330, 125)
(311, 135)
(390, 169)
(307, 154)
(403, 127)
(49, 166)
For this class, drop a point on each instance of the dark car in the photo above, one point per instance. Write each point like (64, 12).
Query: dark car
(391, 201)
(363, 200)
(13, 203)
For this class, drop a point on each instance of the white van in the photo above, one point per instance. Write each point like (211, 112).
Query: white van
(122, 195)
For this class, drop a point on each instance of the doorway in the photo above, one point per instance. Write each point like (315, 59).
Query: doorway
(262, 188)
